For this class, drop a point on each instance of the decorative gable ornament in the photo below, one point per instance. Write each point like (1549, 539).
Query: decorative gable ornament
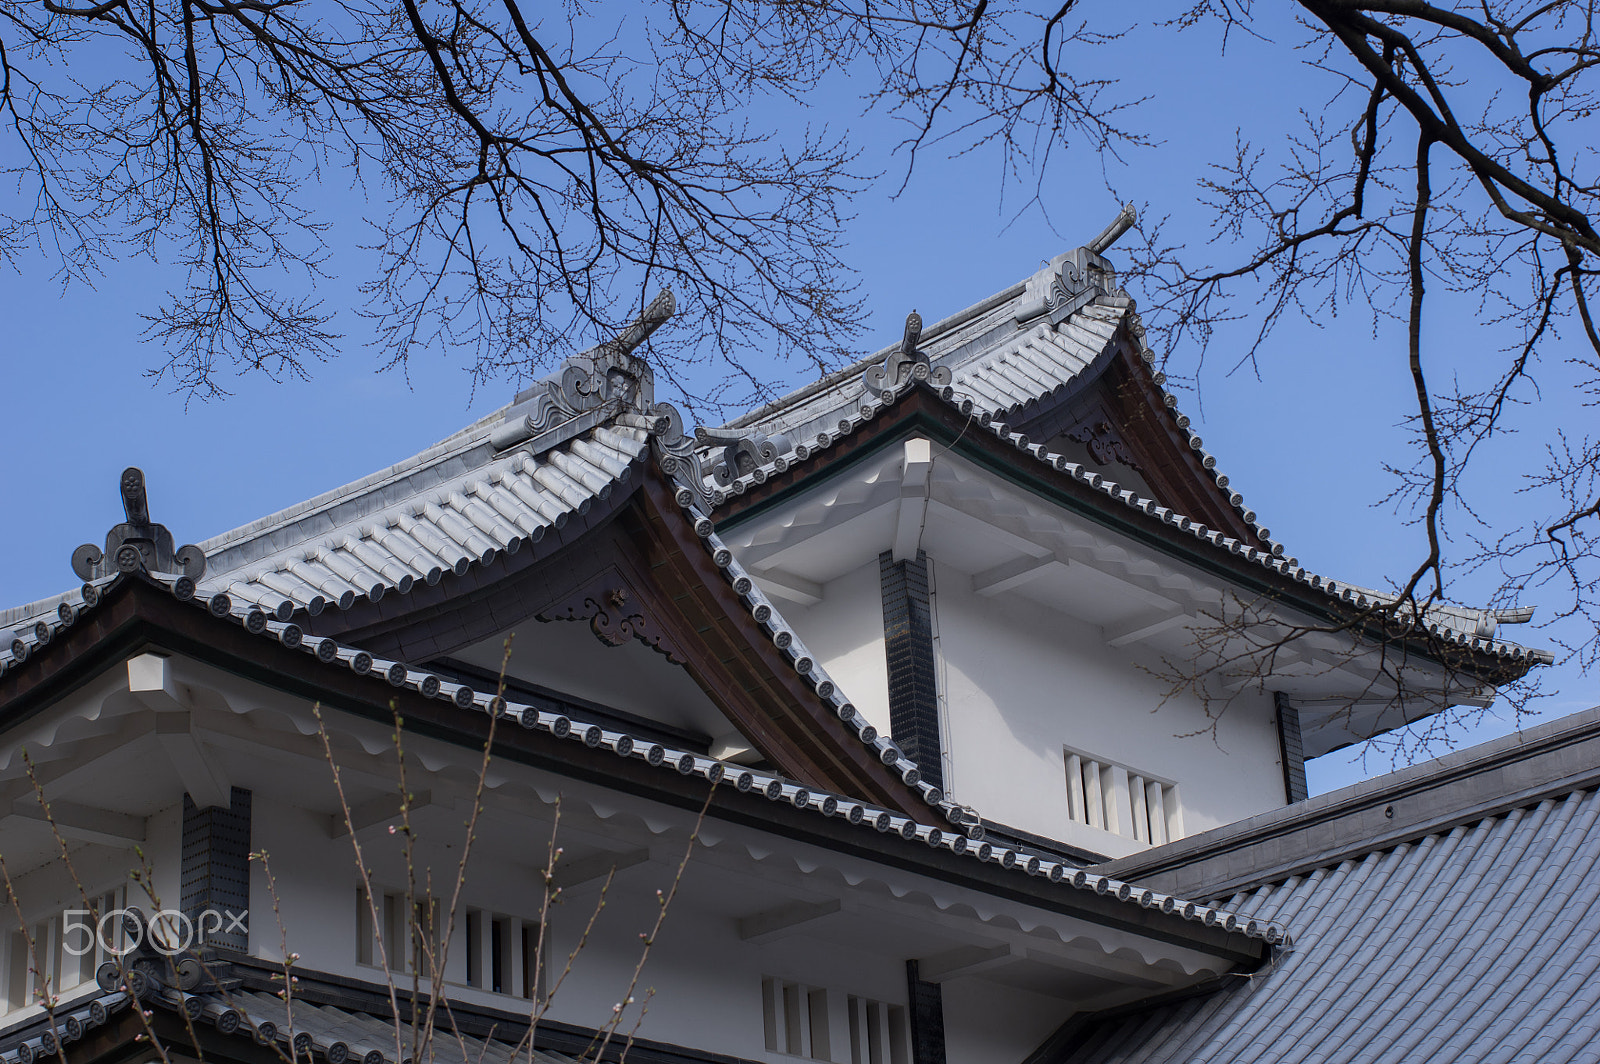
(1104, 443)
(139, 544)
(613, 617)
(742, 455)
(608, 376)
(1073, 280)
(905, 364)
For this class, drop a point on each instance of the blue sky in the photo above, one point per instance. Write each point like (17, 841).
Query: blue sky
(1305, 443)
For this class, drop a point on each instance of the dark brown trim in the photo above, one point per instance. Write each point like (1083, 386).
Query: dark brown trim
(1172, 468)
(751, 680)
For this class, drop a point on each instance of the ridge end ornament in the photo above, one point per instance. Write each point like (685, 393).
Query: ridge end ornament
(742, 454)
(906, 363)
(607, 373)
(138, 544)
(1072, 280)
(677, 458)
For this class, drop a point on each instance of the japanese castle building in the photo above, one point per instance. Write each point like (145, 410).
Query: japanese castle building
(826, 734)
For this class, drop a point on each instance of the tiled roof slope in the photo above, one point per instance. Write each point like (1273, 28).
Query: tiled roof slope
(1016, 348)
(495, 487)
(1040, 358)
(460, 508)
(1450, 626)
(1479, 941)
(458, 505)
(965, 840)
(1003, 363)
(43, 1037)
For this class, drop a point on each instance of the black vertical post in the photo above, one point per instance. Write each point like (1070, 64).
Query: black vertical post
(1291, 748)
(908, 646)
(215, 878)
(927, 1018)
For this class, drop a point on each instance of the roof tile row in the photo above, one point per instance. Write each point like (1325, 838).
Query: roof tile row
(1471, 944)
(468, 520)
(1436, 626)
(746, 780)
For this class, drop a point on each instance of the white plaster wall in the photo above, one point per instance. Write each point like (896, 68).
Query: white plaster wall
(566, 657)
(703, 988)
(1021, 682)
(845, 633)
(985, 1022)
(47, 890)
(697, 964)
(702, 982)
(312, 890)
(163, 860)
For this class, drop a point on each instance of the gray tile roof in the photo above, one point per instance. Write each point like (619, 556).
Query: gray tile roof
(966, 840)
(1040, 359)
(1477, 943)
(1004, 353)
(448, 510)
(463, 507)
(1451, 625)
(314, 1032)
(1012, 350)
(42, 1037)
(300, 1029)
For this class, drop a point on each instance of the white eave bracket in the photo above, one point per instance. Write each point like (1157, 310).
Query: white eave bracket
(151, 681)
(915, 475)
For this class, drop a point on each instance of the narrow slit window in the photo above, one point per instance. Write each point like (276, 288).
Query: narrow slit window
(1112, 797)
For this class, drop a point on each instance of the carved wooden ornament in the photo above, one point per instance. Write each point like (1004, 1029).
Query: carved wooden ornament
(614, 614)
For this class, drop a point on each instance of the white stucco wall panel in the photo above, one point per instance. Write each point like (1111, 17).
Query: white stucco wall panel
(1022, 682)
(703, 984)
(985, 1022)
(313, 883)
(845, 633)
(567, 657)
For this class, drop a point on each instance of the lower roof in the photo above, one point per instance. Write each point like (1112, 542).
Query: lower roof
(1478, 939)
